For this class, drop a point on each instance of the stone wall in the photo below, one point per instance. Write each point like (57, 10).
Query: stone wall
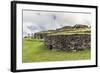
(39, 35)
(72, 42)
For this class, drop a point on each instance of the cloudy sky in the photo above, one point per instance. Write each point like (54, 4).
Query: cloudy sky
(35, 21)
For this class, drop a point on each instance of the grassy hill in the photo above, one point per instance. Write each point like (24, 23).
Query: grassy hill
(66, 31)
(72, 31)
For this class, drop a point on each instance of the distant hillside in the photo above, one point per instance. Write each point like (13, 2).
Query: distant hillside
(66, 30)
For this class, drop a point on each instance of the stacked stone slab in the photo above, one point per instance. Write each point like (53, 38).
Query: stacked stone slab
(72, 42)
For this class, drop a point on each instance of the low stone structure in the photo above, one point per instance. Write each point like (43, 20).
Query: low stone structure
(72, 42)
(39, 35)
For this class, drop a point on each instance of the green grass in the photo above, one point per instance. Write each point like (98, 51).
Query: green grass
(67, 31)
(35, 51)
(73, 31)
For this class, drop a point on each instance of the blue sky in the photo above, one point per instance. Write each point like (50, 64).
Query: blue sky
(35, 21)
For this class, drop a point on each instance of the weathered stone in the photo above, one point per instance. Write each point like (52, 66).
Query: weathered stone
(68, 42)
